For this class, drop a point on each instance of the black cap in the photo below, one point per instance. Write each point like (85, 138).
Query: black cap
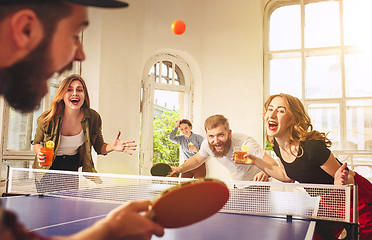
(94, 3)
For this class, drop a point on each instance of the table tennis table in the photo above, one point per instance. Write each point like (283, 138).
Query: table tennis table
(51, 216)
(54, 215)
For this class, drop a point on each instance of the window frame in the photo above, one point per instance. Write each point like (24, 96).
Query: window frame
(148, 87)
(341, 51)
(26, 156)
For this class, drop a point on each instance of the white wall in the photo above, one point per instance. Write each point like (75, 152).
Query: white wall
(225, 39)
(232, 67)
(90, 67)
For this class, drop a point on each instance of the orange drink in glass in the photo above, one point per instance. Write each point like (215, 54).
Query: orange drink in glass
(238, 154)
(48, 152)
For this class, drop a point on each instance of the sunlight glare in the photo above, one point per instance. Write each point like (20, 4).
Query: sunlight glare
(357, 22)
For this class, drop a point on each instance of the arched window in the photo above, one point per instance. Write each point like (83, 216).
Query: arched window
(166, 95)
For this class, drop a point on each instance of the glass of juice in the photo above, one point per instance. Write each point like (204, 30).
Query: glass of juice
(239, 152)
(238, 155)
(49, 153)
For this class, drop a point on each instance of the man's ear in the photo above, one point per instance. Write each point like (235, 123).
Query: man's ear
(26, 29)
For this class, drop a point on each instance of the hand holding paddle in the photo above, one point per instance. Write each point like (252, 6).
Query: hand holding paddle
(124, 222)
(160, 169)
(188, 202)
(175, 171)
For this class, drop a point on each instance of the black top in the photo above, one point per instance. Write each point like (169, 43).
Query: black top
(306, 169)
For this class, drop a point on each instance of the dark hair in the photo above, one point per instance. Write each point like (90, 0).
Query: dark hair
(49, 13)
(186, 121)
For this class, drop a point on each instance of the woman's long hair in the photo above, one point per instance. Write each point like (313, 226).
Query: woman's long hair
(300, 124)
(57, 104)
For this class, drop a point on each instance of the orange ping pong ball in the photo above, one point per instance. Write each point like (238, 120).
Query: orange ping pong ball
(178, 27)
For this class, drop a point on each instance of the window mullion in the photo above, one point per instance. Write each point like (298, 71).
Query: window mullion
(173, 72)
(303, 59)
(343, 134)
(160, 71)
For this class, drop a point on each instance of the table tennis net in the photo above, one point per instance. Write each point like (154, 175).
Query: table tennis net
(326, 202)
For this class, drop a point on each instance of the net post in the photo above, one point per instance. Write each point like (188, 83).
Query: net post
(348, 194)
(355, 204)
(8, 177)
(355, 225)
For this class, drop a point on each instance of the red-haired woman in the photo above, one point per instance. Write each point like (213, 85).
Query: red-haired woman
(305, 156)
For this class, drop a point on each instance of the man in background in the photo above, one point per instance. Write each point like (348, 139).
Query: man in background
(220, 143)
(37, 39)
(190, 145)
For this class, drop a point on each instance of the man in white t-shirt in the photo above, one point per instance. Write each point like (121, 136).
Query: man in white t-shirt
(220, 143)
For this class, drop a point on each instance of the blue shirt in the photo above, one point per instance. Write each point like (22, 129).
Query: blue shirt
(184, 141)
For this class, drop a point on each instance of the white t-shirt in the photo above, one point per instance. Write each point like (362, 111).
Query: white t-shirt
(240, 172)
(70, 144)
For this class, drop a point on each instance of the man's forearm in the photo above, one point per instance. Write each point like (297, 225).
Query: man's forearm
(189, 164)
(172, 134)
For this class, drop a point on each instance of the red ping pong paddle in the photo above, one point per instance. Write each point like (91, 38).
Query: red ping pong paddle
(188, 202)
(160, 169)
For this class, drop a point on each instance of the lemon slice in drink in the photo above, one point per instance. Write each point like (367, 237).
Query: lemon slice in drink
(49, 144)
(245, 148)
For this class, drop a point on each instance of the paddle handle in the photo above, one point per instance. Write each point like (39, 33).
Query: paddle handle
(150, 214)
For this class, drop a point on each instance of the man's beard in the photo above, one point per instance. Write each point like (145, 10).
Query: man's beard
(24, 84)
(224, 152)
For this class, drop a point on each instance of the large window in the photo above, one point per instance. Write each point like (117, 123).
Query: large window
(320, 52)
(19, 128)
(166, 97)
